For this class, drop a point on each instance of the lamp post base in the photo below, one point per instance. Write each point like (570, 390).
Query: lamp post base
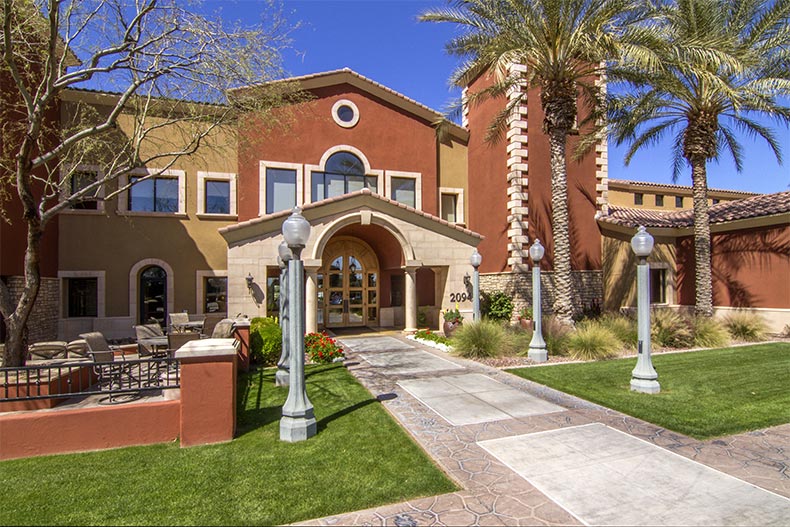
(645, 385)
(282, 378)
(538, 354)
(294, 429)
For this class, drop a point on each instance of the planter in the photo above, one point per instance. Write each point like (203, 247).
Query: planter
(525, 323)
(450, 327)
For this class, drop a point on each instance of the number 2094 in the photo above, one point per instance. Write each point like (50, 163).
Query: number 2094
(459, 297)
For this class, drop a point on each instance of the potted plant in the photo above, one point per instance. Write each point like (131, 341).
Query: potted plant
(452, 319)
(525, 317)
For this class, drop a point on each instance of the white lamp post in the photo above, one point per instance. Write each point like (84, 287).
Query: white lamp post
(298, 421)
(281, 378)
(644, 377)
(476, 259)
(537, 346)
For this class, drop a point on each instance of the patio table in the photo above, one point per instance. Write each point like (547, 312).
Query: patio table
(196, 325)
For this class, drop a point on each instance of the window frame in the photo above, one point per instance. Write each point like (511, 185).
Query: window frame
(263, 165)
(416, 176)
(459, 204)
(340, 122)
(64, 276)
(179, 175)
(669, 282)
(203, 178)
(639, 198)
(659, 200)
(680, 200)
(321, 167)
(66, 192)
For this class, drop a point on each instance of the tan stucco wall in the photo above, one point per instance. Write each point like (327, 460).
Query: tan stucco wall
(624, 197)
(114, 241)
(454, 169)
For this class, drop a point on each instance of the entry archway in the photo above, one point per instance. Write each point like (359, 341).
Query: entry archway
(348, 284)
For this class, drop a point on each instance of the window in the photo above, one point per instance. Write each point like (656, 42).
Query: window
(715, 201)
(157, 194)
(658, 286)
(215, 291)
(345, 113)
(678, 202)
(404, 191)
(217, 193)
(448, 207)
(280, 189)
(79, 180)
(659, 200)
(82, 295)
(344, 172)
(638, 198)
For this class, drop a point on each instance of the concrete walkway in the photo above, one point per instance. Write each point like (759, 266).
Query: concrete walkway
(524, 454)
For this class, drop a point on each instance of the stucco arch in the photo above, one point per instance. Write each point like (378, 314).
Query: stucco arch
(134, 284)
(356, 218)
(346, 148)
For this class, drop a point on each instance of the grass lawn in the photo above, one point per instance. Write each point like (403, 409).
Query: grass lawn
(360, 458)
(704, 394)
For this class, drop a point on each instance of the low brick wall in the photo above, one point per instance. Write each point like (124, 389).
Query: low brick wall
(587, 288)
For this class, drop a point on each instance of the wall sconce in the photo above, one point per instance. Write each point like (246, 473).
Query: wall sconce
(250, 280)
(468, 285)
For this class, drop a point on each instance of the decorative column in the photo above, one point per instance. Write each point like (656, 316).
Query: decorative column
(644, 377)
(517, 175)
(298, 421)
(283, 374)
(411, 298)
(537, 346)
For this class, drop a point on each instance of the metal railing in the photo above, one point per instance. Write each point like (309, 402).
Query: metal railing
(82, 378)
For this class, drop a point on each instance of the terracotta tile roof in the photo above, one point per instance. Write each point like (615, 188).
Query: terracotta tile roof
(624, 182)
(345, 197)
(741, 209)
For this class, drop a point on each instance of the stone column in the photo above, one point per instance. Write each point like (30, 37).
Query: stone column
(311, 268)
(411, 297)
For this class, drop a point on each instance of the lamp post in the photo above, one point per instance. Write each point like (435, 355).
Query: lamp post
(644, 377)
(537, 346)
(281, 378)
(298, 421)
(476, 259)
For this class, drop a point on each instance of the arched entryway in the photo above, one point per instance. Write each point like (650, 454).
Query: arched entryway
(348, 284)
(153, 295)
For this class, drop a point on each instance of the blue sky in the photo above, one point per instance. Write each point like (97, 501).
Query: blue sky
(382, 40)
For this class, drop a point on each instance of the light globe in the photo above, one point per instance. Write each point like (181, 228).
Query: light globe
(296, 229)
(536, 251)
(284, 253)
(476, 259)
(642, 243)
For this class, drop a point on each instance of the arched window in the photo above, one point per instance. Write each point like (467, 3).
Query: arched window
(343, 173)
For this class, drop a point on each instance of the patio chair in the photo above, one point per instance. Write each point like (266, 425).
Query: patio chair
(77, 349)
(223, 329)
(210, 322)
(55, 349)
(176, 340)
(178, 321)
(112, 375)
(150, 340)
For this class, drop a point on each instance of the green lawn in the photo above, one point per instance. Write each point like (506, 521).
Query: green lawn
(360, 458)
(704, 394)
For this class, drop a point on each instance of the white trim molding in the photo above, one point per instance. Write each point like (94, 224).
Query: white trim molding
(459, 203)
(200, 277)
(321, 167)
(416, 176)
(100, 290)
(134, 275)
(202, 178)
(345, 124)
(180, 175)
(263, 165)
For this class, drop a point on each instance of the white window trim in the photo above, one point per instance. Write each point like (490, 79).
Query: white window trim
(200, 277)
(417, 176)
(263, 165)
(123, 199)
(66, 192)
(134, 281)
(345, 102)
(100, 291)
(321, 167)
(202, 177)
(459, 203)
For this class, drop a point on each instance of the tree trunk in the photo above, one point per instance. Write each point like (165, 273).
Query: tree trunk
(702, 265)
(563, 285)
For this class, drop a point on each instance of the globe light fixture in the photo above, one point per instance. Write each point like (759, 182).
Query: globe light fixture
(296, 230)
(537, 346)
(644, 378)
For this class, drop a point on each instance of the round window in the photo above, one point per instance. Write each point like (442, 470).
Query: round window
(345, 113)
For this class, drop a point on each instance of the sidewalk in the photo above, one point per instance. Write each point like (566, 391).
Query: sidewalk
(478, 424)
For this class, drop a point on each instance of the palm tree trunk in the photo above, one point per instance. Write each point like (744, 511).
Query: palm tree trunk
(702, 264)
(563, 287)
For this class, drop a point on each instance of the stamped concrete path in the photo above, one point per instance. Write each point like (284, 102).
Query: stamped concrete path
(524, 454)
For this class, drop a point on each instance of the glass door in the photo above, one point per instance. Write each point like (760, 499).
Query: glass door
(348, 293)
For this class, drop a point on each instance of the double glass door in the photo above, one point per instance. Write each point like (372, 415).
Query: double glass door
(348, 289)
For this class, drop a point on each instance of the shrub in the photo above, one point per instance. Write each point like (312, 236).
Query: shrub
(453, 316)
(709, 332)
(593, 341)
(670, 329)
(499, 306)
(745, 326)
(520, 337)
(623, 327)
(322, 349)
(479, 339)
(266, 340)
(556, 335)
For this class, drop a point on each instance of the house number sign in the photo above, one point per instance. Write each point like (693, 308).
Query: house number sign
(459, 297)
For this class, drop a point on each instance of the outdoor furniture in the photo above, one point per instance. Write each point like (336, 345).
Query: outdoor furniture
(49, 350)
(210, 322)
(77, 349)
(179, 322)
(176, 340)
(111, 374)
(150, 340)
(223, 329)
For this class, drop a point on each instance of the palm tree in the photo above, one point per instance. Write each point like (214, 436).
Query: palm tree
(719, 64)
(564, 45)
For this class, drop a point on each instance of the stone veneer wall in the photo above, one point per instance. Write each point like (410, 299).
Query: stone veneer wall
(587, 286)
(43, 322)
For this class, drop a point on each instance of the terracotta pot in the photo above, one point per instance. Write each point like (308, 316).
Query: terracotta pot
(449, 328)
(525, 323)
